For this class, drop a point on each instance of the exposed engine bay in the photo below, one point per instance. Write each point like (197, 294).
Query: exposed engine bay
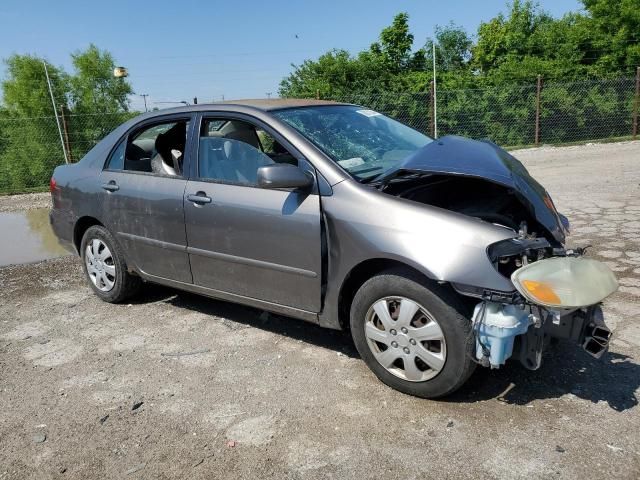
(487, 201)
(520, 325)
(467, 195)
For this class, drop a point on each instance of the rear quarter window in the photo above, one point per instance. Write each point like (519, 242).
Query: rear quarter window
(116, 160)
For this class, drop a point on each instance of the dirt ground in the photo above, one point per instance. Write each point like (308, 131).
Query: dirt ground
(27, 201)
(179, 386)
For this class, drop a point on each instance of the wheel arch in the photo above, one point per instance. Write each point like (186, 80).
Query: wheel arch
(80, 227)
(362, 272)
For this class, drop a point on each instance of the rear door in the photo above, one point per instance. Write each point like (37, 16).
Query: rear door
(143, 205)
(242, 239)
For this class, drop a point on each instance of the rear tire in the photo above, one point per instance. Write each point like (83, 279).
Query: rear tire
(424, 346)
(104, 266)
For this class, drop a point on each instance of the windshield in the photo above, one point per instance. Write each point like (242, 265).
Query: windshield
(363, 142)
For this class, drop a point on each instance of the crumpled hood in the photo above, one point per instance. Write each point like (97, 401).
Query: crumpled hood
(455, 155)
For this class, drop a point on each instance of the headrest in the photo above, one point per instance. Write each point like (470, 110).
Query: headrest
(245, 135)
(135, 152)
(175, 137)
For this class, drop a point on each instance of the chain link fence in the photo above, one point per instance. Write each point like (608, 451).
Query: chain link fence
(510, 115)
(517, 115)
(31, 147)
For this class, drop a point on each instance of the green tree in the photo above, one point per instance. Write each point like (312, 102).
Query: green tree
(25, 90)
(93, 86)
(332, 74)
(379, 69)
(614, 45)
(526, 42)
(31, 145)
(94, 90)
(394, 46)
(453, 48)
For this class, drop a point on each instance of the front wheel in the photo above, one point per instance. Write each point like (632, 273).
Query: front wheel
(105, 268)
(412, 335)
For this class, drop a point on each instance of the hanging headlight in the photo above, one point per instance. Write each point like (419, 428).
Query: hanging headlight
(565, 282)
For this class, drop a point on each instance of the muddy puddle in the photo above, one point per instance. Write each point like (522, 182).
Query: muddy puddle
(27, 237)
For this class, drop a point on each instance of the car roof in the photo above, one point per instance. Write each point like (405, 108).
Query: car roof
(264, 104)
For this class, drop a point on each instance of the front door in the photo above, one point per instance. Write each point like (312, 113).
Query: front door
(245, 240)
(143, 189)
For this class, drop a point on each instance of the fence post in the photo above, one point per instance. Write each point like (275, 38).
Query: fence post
(65, 131)
(636, 104)
(431, 111)
(538, 90)
(318, 94)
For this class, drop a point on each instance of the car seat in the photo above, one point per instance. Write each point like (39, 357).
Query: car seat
(242, 151)
(167, 161)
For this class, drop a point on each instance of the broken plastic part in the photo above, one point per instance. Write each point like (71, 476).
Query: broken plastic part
(496, 327)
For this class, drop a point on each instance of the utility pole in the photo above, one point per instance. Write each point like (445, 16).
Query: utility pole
(538, 90)
(435, 95)
(636, 104)
(65, 129)
(144, 97)
(55, 112)
(431, 104)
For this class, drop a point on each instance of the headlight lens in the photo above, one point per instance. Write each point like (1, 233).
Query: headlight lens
(565, 282)
(541, 292)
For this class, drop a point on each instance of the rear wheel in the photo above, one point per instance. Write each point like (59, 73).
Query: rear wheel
(105, 268)
(412, 335)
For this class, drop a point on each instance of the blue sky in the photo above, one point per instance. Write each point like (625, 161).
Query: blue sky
(240, 49)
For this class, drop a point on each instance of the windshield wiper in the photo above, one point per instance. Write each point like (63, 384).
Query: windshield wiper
(399, 175)
(370, 179)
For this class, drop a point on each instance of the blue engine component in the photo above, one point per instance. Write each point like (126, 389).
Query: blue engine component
(496, 327)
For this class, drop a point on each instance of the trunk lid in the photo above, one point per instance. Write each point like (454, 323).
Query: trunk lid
(453, 155)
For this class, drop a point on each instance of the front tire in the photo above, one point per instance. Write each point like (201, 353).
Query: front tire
(105, 268)
(413, 335)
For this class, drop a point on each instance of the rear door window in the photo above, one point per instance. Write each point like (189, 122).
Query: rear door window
(157, 149)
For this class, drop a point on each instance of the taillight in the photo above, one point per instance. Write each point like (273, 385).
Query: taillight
(53, 186)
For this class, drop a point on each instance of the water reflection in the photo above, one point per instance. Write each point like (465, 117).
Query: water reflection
(27, 237)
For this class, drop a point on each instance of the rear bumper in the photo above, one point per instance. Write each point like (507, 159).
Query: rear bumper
(62, 225)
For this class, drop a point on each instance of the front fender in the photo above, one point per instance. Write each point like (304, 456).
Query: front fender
(443, 245)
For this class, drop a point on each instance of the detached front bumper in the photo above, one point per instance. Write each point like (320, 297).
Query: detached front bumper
(562, 298)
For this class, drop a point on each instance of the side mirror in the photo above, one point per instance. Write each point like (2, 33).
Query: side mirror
(283, 175)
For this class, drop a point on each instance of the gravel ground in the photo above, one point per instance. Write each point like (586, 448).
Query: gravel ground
(27, 201)
(175, 385)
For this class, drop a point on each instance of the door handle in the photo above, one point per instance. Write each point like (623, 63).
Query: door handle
(111, 186)
(200, 198)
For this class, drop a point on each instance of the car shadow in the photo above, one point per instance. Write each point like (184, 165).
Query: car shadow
(239, 316)
(566, 368)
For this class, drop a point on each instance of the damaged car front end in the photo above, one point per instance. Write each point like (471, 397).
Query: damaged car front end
(556, 297)
(550, 291)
